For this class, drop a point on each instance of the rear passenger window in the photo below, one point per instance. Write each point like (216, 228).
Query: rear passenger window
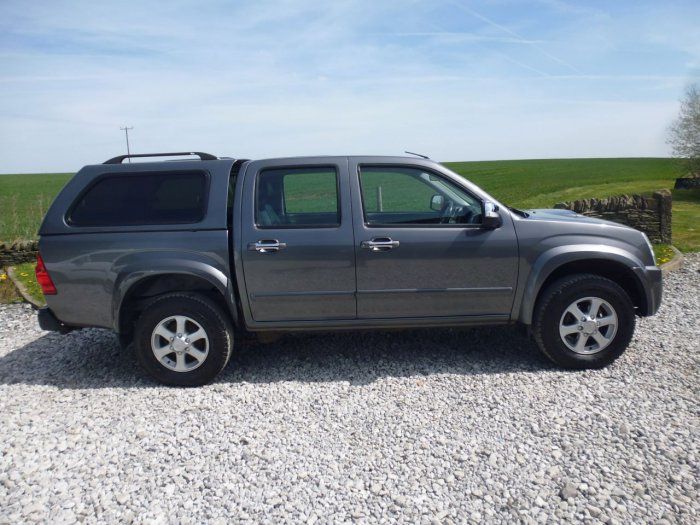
(297, 198)
(141, 199)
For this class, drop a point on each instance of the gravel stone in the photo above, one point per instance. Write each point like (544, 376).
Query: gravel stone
(569, 490)
(425, 426)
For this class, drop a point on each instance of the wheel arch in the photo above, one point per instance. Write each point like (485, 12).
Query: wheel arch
(612, 263)
(136, 289)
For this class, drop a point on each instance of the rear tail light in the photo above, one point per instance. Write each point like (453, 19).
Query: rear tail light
(43, 277)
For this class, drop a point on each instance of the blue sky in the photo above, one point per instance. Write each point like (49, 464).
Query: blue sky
(457, 80)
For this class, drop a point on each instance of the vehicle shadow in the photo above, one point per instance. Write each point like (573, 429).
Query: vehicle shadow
(92, 358)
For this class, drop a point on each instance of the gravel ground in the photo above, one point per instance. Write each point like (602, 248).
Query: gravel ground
(425, 426)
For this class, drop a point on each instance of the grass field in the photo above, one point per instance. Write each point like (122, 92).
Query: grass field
(24, 200)
(543, 183)
(520, 183)
(686, 220)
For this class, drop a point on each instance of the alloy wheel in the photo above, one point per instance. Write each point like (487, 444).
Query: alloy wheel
(588, 325)
(180, 343)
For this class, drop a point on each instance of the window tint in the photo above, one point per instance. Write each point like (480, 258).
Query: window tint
(297, 198)
(144, 198)
(396, 195)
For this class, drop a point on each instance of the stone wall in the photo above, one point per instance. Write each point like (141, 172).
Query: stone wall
(17, 253)
(650, 214)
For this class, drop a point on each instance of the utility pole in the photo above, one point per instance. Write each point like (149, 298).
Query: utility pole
(126, 129)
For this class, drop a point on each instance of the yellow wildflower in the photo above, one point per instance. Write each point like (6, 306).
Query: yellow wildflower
(3, 277)
(24, 274)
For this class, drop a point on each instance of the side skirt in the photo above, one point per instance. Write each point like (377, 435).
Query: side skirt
(380, 324)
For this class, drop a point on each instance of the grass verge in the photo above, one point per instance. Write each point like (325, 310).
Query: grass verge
(663, 253)
(24, 273)
(8, 292)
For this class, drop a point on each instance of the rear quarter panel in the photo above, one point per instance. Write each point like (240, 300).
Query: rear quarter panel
(93, 272)
(92, 267)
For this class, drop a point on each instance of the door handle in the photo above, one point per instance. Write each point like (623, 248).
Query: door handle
(267, 246)
(380, 244)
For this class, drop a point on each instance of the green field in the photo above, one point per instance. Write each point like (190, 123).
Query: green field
(520, 183)
(543, 183)
(24, 200)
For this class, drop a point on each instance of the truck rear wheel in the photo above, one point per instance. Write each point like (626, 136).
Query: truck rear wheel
(583, 321)
(183, 339)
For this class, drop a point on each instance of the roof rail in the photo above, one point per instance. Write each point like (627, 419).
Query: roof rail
(120, 158)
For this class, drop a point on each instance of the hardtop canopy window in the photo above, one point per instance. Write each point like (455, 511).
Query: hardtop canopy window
(394, 195)
(172, 197)
(299, 197)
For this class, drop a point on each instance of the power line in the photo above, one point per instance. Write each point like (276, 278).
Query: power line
(126, 129)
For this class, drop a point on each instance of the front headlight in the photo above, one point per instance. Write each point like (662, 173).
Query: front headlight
(651, 248)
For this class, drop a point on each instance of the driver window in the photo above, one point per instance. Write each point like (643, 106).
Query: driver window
(398, 195)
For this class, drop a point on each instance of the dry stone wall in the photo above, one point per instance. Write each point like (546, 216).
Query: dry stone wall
(17, 252)
(650, 214)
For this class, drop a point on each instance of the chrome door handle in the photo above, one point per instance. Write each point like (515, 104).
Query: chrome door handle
(380, 244)
(267, 246)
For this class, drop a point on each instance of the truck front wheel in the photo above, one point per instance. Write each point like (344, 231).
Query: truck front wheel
(183, 339)
(583, 321)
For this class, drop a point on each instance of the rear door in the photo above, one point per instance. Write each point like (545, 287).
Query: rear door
(421, 249)
(297, 240)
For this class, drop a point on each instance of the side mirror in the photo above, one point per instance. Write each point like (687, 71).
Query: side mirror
(492, 219)
(437, 202)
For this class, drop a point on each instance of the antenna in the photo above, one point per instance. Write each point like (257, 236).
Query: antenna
(417, 155)
(126, 129)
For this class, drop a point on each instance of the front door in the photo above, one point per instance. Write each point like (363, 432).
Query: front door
(420, 247)
(297, 240)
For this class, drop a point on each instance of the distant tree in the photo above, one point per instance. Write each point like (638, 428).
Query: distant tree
(685, 131)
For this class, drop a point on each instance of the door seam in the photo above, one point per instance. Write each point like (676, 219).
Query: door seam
(352, 224)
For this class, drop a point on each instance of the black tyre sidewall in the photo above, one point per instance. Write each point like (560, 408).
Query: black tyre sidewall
(559, 296)
(207, 314)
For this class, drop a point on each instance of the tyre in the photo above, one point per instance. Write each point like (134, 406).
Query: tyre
(125, 340)
(183, 339)
(583, 321)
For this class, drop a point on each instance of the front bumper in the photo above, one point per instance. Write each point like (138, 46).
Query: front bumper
(651, 281)
(49, 321)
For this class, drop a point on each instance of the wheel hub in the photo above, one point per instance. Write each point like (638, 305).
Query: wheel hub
(589, 326)
(179, 344)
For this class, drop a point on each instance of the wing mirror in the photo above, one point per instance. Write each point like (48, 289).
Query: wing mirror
(437, 202)
(492, 219)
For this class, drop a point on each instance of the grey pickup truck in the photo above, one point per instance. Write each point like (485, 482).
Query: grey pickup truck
(182, 258)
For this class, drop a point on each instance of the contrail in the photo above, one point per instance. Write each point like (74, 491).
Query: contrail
(522, 64)
(512, 33)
